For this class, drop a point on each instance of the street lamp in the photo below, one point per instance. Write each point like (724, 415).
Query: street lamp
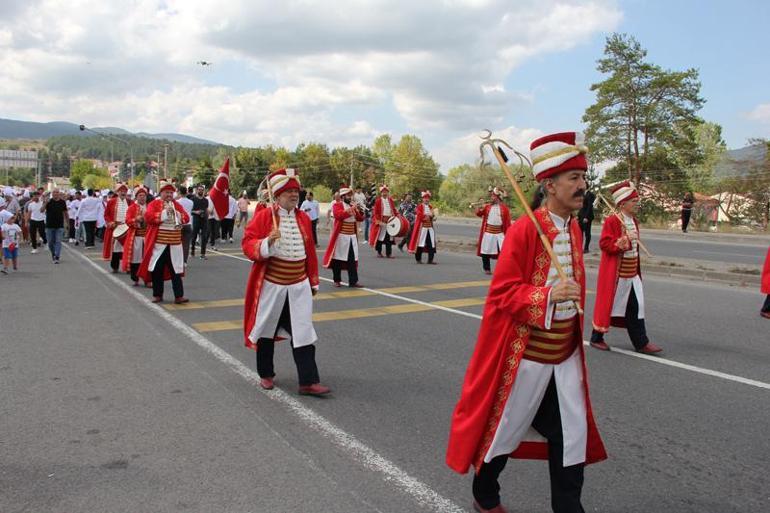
(84, 128)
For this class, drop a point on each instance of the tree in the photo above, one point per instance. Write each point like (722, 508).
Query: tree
(638, 106)
(205, 173)
(709, 147)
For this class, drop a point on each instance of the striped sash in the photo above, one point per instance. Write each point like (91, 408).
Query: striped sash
(172, 237)
(628, 267)
(427, 222)
(552, 346)
(140, 232)
(285, 272)
(348, 228)
(494, 229)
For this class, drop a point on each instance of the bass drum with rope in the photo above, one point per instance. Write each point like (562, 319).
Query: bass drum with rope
(398, 226)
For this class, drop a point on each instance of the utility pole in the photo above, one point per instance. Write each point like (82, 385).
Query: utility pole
(165, 161)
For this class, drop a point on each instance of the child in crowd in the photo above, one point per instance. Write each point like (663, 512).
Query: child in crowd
(11, 235)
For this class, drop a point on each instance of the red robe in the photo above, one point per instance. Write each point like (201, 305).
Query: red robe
(609, 268)
(340, 212)
(254, 233)
(260, 206)
(418, 217)
(766, 275)
(110, 213)
(128, 245)
(483, 213)
(152, 219)
(517, 301)
(374, 230)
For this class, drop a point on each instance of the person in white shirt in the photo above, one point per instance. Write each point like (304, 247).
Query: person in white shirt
(88, 213)
(100, 222)
(310, 207)
(36, 220)
(228, 223)
(11, 234)
(214, 225)
(72, 212)
(187, 205)
(243, 210)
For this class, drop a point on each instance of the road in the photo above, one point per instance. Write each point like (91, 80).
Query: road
(180, 424)
(672, 245)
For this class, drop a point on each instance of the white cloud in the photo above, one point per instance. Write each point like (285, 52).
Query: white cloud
(282, 71)
(465, 149)
(760, 113)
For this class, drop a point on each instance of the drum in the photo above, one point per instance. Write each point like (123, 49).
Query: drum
(398, 226)
(120, 232)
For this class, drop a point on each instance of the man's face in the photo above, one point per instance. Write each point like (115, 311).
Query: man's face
(495, 199)
(426, 200)
(288, 199)
(199, 191)
(630, 207)
(408, 198)
(385, 194)
(55, 194)
(568, 188)
(347, 198)
(122, 194)
(310, 196)
(78, 196)
(35, 198)
(167, 195)
(141, 198)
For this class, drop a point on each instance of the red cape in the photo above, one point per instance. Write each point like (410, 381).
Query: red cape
(419, 214)
(128, 243)
(340, 212)
(483, 213)
(609, 268)
(110, 212)
(374, 230)
(152, 219)
(516, 302)
(219, 196)
(254, 233)
(766, 275)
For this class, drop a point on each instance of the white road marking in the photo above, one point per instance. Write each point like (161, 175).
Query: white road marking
(655, 359)
(358, 451)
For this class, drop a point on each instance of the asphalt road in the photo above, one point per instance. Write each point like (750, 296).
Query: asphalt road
(672, 245)
(169, 417)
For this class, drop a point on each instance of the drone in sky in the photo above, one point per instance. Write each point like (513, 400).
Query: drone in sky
(205, 63)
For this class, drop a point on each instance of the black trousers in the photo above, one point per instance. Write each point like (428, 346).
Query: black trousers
(352, 266)
(637, 330)
(387, 241)
(429, 247)
(35, 228)
(304, 357)
(566, 482)
(766, 306)
(314, 224)
(486, 262)
(186, 236)
(686, 219)
(90, 227)
(157, 276)
(199, 228)
(71, 229)
(407, 237)
(135, 271)
(115, 261)
(227, 228)
(213, 231)
(586, 227)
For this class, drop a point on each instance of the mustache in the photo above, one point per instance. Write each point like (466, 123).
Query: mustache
(579, 194)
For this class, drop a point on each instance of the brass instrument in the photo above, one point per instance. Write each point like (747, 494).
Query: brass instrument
(478, 203)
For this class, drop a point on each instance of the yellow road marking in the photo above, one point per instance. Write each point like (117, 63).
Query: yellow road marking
(353, 314)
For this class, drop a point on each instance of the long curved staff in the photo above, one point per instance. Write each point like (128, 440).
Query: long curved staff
(523, 160)
(266, 182)
(622, 223)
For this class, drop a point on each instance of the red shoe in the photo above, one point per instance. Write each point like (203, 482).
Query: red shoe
(379, 255)
(315, 389)
(487, 272)
(357, 286)
(432, 263)
(337, 284)
(181, 300)
(497, 509)
(600, 345)
(391, 256)
(157, 299)
(266, 383)
(650, 348)
(766, 315)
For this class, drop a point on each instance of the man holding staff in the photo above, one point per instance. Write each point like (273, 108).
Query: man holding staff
(525, 393)
(495, 220)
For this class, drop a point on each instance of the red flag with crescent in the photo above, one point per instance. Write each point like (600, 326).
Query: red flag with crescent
(218, 192)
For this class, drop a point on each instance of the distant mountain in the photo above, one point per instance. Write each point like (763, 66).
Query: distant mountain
(739, 162)
(14, 129)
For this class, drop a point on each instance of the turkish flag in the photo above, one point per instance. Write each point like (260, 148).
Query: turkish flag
(218, 192)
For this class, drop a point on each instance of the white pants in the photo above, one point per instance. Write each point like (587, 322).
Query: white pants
(271, 301)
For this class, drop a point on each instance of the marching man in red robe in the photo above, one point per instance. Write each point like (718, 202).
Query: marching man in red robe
(134, 241)
(423, 234)
(282, 283)
(495, 220)
(619, 290)
(114, 215)
(525, 393)
(765, 289)
(163, 256)
(384, 209)
(342, 251)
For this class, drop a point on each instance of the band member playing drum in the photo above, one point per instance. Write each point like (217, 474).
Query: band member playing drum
(163, 256)
(384, 210)
(495, 220)
(342, 252)
(423, 234)
(115, 216)
(133, 244)
(282, 283)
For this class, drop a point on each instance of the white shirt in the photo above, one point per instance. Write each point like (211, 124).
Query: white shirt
(72, 208)
(187, 205)
(311, 208)
(494, 218)
(89, 208)
(4, 216)
(562, 248)
(290, 246)
(386, 208)
(232, 205)
(10, 234)
(33, 207)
